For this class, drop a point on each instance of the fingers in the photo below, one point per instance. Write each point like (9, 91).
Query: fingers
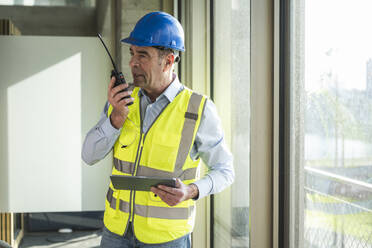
(168, 198)
(119, 88)
(170, 190)
(112, 81)
(121, 100)
(118, 98)
(171, 196)
(116, 90)
(126, 101)
(117, 95)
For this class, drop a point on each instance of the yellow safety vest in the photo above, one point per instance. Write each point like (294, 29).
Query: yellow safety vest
(164, 151)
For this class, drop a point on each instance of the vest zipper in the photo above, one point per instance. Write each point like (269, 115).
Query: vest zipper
(138, 159)
(134, 172)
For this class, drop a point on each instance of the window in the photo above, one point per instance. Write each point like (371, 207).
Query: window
(231, 90)
(330, 157)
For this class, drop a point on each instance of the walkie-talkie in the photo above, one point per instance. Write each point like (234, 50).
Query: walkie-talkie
(119, 77)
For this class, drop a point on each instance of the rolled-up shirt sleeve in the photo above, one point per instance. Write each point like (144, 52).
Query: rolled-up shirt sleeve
(210, 146)
(100, 139)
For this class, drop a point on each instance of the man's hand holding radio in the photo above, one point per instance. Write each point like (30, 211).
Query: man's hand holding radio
(119, 103)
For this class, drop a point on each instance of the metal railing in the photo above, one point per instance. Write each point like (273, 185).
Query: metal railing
(338, 211)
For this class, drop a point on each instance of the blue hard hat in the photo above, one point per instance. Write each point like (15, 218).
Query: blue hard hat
(157, 29)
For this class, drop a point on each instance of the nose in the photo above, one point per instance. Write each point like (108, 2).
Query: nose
(133, 61)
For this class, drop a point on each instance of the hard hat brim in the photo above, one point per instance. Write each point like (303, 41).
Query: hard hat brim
(135, 42)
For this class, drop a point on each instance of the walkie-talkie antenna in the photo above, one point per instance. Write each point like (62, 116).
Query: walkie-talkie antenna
(100, 37)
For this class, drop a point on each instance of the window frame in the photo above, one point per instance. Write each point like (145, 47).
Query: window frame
(196, 67)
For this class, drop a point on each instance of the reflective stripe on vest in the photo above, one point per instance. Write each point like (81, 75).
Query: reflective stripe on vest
(151, 211)
(188, 130)
(128, 168)
(123, 205)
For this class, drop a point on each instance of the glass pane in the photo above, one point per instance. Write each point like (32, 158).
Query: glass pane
(232, 96)
(332, 132)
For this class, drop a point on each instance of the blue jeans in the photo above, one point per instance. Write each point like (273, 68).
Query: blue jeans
(112, 240)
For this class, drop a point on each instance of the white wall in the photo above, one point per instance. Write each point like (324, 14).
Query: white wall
(52, 90)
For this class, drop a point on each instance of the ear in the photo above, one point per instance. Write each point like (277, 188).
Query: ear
(169, 61)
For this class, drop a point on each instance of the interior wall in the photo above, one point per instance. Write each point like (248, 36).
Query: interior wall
(51, 95)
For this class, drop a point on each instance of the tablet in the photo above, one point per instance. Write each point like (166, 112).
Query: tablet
(140, 183)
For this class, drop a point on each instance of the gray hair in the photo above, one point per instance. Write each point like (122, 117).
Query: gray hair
(164, 51)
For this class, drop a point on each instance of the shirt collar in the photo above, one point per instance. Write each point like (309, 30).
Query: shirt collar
(170, 92)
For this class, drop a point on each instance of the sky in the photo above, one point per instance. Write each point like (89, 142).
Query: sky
(338, 38)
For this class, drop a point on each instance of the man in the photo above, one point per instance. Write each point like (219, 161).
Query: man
(164, 133)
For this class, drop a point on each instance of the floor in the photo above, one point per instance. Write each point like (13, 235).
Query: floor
(75, 239)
